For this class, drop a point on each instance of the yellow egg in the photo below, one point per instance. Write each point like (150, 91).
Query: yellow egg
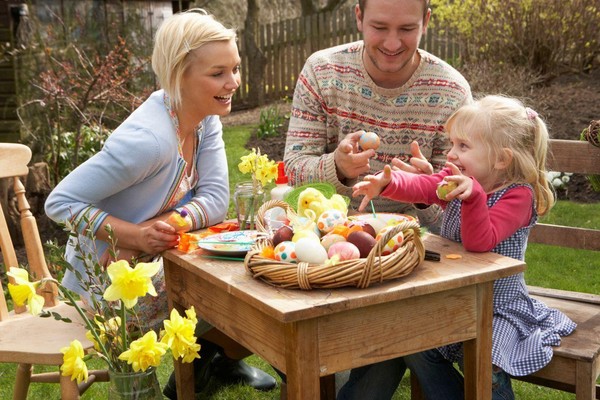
(305, 234)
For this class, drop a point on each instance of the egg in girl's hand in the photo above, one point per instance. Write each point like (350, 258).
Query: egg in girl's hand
(310, 251)
(330, 219)
(369, 140)
(344, 250)
(445, 187)
(286, 251)
(393, 243)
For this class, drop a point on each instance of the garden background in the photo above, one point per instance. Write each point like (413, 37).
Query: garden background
(74, 89)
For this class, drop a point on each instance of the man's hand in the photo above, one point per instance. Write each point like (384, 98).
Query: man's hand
(418, 163)
(350, 162)
(372, 186)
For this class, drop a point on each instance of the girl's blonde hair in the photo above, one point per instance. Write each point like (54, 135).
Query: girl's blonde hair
(175, 39)
(505, 123)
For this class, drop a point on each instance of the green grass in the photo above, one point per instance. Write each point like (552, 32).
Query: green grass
(546, 267)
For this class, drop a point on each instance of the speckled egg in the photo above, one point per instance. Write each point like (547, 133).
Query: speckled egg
(331, 238)
(344, 250)
(310, 251)
(286, 251)
(330, 219)
(369, 140)
(392, 244)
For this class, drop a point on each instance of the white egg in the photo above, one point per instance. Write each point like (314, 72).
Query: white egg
(310, 251)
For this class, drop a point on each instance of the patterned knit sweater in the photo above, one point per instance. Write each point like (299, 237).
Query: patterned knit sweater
(335, 96)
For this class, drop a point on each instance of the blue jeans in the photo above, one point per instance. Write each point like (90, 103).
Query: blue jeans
(373, 382)
(439, 379)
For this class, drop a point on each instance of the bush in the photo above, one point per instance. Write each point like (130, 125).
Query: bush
(271, 122)
(73, 75)
(548, 36)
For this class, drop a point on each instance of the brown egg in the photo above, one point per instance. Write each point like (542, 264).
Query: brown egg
(363, 240)
(282, 234)
(369, 229)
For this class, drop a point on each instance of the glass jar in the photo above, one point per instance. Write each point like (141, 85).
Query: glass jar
(247, 200)
(141, 385)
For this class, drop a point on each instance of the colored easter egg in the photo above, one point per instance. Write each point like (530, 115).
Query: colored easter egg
(445, 187)
(392, 244)
(286, 251)
(369, 140)
(344, 250)
(331, 238)
(330, 219)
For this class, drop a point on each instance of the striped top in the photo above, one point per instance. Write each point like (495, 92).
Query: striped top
(335, 96)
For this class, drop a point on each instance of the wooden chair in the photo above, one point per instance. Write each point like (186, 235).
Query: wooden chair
(575, 366)
(28, 340)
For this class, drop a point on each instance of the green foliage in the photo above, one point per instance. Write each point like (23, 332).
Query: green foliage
(548, 36)
(79, 70)
(564, 268)
(271, 122)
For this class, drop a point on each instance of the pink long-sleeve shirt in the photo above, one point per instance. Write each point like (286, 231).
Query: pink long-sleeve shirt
(483, 227)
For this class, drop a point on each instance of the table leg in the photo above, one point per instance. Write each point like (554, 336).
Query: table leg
(184, 372)
(302, 360)
(478, 352)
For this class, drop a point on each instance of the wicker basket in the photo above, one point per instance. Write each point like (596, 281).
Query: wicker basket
(360, 273)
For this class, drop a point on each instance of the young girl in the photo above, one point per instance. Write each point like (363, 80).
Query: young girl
(497, 160)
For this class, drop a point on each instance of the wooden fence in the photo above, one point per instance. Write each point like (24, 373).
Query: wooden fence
(287, 44)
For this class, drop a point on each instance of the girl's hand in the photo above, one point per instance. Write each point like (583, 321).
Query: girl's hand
(465, 184)
(418, 162)
(372, 186)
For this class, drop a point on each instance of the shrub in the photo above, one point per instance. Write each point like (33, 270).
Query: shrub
(548, 36)
(271, 122)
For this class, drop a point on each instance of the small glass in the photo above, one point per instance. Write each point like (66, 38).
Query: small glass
(247, 199)
(141, 385)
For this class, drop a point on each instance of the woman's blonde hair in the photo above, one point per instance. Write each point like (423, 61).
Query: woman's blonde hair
(175, 39)
(505, 123)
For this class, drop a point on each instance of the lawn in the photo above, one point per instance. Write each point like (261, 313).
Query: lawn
(557, 270)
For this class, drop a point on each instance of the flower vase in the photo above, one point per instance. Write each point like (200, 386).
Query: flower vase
(247, 199)
(141, 385)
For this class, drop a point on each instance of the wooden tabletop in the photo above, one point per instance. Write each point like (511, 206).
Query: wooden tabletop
(287, 305)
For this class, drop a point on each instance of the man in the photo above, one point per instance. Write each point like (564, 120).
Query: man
(386, 85)
(383, 84)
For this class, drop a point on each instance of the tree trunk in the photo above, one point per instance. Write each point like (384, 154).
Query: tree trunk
(256, 59)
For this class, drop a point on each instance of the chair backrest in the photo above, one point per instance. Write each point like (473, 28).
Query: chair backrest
(577, 157)
(13, 165)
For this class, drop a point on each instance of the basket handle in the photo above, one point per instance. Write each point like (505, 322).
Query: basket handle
(261, 224)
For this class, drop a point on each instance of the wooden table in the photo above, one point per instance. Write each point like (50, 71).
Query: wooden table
(313, 334)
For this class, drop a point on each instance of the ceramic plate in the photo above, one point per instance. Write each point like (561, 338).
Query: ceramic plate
(234, 244)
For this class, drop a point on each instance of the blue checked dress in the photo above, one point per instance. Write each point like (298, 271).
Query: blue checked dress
(524, 329)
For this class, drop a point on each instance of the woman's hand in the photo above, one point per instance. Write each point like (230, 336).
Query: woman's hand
(418, 162)
(157, 237)
(372, 186)
(350, 162)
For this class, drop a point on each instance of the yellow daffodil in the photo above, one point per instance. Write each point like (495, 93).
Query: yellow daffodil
(179, 335)
(262, 169)
(145, 352)
(73, 364)
(112, 324)
(24, 292)
(127, 284)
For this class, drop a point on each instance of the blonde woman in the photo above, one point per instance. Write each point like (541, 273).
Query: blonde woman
(167, 155)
